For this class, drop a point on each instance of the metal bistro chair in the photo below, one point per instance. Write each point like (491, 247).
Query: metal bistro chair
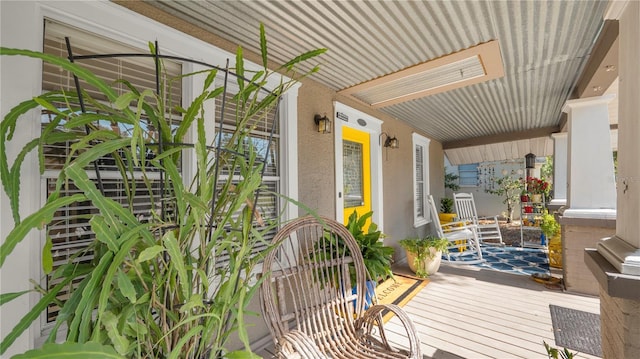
(462, 236)
(308, 302)
(488, 227)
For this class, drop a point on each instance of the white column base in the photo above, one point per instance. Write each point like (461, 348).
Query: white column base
(622, 255)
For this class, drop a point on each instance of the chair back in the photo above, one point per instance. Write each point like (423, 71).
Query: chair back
(465, 207)
(308, 280)
(434, 216)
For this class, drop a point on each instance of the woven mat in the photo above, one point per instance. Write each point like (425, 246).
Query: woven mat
(577, 330)
(399, 291)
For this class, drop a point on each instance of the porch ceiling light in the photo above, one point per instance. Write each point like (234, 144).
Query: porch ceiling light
(473, 65)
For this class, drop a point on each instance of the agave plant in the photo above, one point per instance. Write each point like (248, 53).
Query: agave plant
(153, 288)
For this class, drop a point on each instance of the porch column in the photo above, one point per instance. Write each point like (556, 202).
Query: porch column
(591, 201)
(560, 146)
(616, 261)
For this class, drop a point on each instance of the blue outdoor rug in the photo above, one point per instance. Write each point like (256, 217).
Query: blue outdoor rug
(516, 260)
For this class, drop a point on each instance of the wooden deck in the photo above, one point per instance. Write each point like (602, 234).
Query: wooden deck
(468, 312)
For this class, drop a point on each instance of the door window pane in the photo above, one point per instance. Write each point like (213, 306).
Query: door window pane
(352, 169)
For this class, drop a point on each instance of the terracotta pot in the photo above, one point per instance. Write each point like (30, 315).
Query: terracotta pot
(524, 198)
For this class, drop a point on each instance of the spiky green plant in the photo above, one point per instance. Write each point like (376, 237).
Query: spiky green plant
(153, 289)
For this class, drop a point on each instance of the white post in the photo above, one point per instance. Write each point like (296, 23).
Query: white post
(592, 188)
(560, 147)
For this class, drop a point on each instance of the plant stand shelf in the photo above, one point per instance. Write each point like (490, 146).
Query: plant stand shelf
(530, 218)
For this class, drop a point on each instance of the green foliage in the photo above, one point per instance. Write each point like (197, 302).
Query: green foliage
(554, 353)
(549, 226)
(153, 289)
(422, 249)
(446, 205)
(546, 171)
(377, 257)
(451, 181)
(509, 189)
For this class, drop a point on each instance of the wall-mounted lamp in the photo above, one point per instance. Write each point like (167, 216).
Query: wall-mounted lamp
(323, 123)
(530, 161)
(389, 141)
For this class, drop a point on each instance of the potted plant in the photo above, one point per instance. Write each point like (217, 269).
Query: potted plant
(377, 257)
(152, 287)
(446, 214)
(424, 255)
(551, 231)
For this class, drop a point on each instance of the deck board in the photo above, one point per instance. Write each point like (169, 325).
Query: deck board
(469, 312)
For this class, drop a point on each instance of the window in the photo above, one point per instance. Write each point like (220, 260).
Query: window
(420, 180)
(468, 175)
(70, 231)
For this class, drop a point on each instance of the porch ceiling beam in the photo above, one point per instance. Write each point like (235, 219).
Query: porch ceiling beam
(602, 67)
(502, 137)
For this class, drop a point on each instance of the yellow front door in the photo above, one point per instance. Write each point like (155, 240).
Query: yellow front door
(356, 169)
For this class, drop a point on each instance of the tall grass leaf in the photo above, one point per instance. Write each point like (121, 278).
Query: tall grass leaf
(120, 342)
(263, 45)
(149, 253)
(128, 240)
(36, 220)
(47, 256)
(303, 57)
(211, 76)
(240, 69)
(171, 244)
(71, 351)
(177, 351)
(103, 233)
(126, 287)
(241, 354)
(192, 112)
(32, 315)
(124, 101)
(15, 178)
(64, 63)
(7, 297)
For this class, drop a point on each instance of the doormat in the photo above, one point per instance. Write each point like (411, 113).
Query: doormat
(577, 330)
(399, 291)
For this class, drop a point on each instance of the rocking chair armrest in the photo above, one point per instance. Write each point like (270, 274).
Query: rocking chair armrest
(373, 318)
(297, 344)
(458, 224)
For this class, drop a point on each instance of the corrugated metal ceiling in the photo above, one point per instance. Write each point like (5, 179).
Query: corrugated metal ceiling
(544, 45)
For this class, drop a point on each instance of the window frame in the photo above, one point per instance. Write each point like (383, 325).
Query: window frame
(460, 177)
(425, 218)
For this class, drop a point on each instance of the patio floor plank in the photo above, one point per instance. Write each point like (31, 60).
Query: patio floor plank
(468, 312)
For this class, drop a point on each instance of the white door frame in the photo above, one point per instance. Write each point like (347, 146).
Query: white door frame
(350, 117)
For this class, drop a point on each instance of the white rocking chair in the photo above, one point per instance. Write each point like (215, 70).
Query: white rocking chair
(462, 236)
(488, 227)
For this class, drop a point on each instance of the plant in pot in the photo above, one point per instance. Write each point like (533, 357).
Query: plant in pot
(446, 214)
(424, 255)
(153, 286)
(551, 230)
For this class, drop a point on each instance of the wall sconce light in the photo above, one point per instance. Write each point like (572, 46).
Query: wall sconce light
(530, 161)
(390, 142)
(323, 123)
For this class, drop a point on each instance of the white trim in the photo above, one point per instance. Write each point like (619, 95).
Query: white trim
(419, 140)
(289, 151)
(373, 126)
